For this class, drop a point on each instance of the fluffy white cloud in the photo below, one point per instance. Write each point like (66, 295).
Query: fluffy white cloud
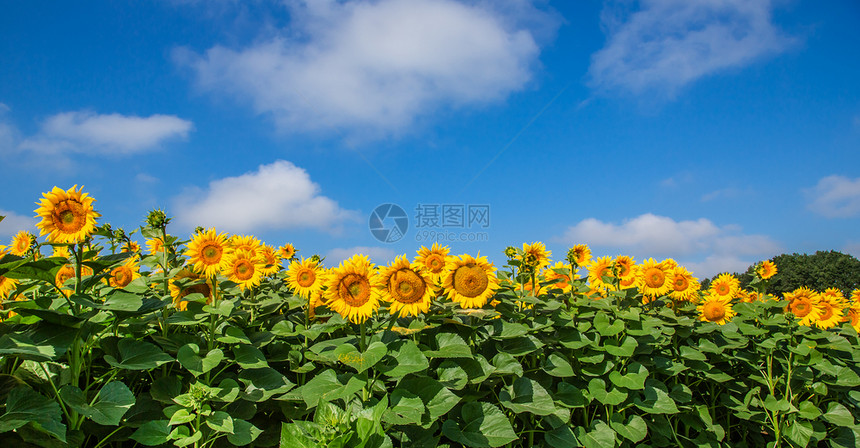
(88, 132)
(276, 196)
(667, 44)
(14, 223)
(373, 67)
(377, 255)
(835, 197)
(648, 235)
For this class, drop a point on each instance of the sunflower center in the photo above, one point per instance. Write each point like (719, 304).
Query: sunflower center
(121, 276)
(405, 286)
(681, 283)
(828, 312)
(801, 307)
(244, 270)
(855, 317)
(354, 289)
(435, 263)
(722, 289)
(714, 311)
(655, 278)
(623, 269)
(470, 281)
(70, 217)
(306, 278)
(211, 253)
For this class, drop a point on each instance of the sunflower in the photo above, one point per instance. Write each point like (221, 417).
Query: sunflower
(315, 301)
(247, 245)
(656, 278)
(634, 280)
(563, 277)
(67, 272)
(67, 216)
(803, 303)
(832, 305)
(685, 287)
(131, 246)
(243, 268)
(853, 316)
(191, 282)
(407, 286)
(433, 260)
(535, 255)
(745, 296)
(123, 274)
(716, 309)
(273, 261)
(7, 285)
(470, 281)
(207, 252)
(3, 250)
(287, 252)
(154, 245)
(766, 269)
(855, 296)
(725, 286)
(579, 255)
(21, 243)
(351, 289)
(305, 277)
(61, 251)
(598, 270)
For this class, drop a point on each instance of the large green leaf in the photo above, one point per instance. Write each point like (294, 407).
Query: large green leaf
(328, 386)
(404, 357)
(839, 415)
(405, 408)
(153, 433)
(189, 357)
(519, 346)
(612, 397)
(39, 342)
(633, 429)
(262, 384)
(480, 425)
(657, 400)
(634, 379)
(449, 345)
(561, 437)
(557, 365)
(438, 400)
(624, 349)
(137, 355)
(24, 405)
(249, 357)
(527, 395)
(114, 400)
(359, 361)
(600, 436)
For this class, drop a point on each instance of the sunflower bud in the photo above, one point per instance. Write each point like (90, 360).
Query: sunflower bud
(157, 219)
(119, 234)
(198, 229)
(315, 259)
(511, 252)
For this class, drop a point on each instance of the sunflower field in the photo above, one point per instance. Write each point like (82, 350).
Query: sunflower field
(220, 340)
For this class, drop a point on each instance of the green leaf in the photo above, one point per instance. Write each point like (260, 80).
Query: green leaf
(451, 375)
(450, 345)
(506, 330)
(570, 396)
(328, 386)
(438, 400)
(188, 356)
(507, 364)
(405, 408)
(692, 354)
(292, 436)
(249, 357)
(40, 342)
(519, 346)
(137, 355)
(220, 421)
(234, 335)
(348, 355)
(181, 416)
(24, 405)
(634, 379)
(808, 410)
(612, 397)
(839, 415)
(657, 400)
(244, 433)
(480, 425)
(634, 429)
(799, 432)
(114, 400)
(404, 357)
(557, 365)
(153, 433)
(561, 437)
(605, 327)
(262, 384)
(601, 436)
(527, 395)
(625, 349)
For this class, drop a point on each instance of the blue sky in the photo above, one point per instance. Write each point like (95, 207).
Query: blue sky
(717, 132)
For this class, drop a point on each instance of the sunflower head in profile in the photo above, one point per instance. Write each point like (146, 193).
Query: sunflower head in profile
(186, 282)
(154, 246)
(855, 296)
(852, 316)
(305, 277)
(406, 286)
(433, 260)
(67, 216)
(803, 303)
(579, 255)
(832, 304)
(21, 243)
(243, 268)
(351, 289)
(656, 277)
(766, 269)
(248, 245)
(535, 255)
(470, 281)
(131, 246)
(725, 286)
(67, 272)
(600, 273)
(61, 251)
(559, 273)
(7, 285)
(207, 252)
(715, 309)
(123, 274)
(685, 287)
(287, 252)
(273, 261)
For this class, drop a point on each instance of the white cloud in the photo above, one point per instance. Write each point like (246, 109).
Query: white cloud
(373, 67)
(88, 132)
(276, 196)
(377, 255)
(14, 223)
(718, 264)
(655, 236)
(668, 44)
(835, 197)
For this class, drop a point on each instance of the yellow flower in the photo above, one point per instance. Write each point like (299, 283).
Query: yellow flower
(67, 216)
(599, 269)
(273, 261)
(154, 245)
(766, 269)
(131, 246)
(470, 281)
(656, 278)
(67, 272)
(433, 260)
(855, 296)
(716, 309)
(351, 289)
(551, 273)
(537, 252)
(123, 274)
(7, 285)
(832, 305)
(407, 286)
(207, 252)
(305, 278)
(634, 280)
(21, 243)
(581, 254)
(246, 245)
(853, 316)
(803, 303)
(191, 283)
(61, 251)
(725, 286)
(243, 268)
(685, 287)
(287, 252)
